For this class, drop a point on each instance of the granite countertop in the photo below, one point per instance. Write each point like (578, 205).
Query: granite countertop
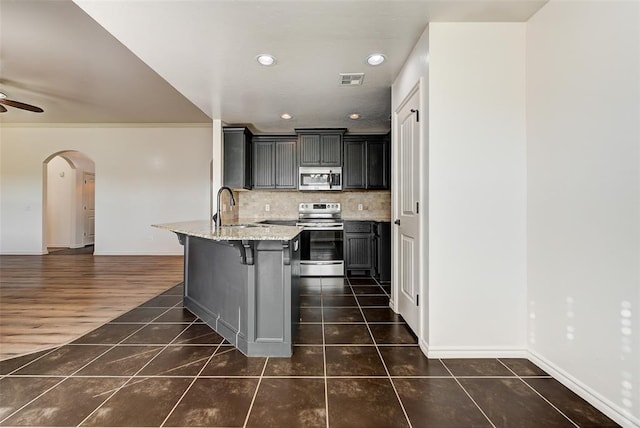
(231, 232)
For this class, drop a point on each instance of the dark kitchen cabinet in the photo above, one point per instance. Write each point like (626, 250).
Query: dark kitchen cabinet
(275, 162)
(358, 248)
(320, 147)
(367, 162)
(354, 171)
(367, 249)
(382, 244)
(378, 163)
(237, 157)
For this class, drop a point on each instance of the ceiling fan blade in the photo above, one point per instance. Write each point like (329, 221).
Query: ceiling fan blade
(23, 106)
(2, 108)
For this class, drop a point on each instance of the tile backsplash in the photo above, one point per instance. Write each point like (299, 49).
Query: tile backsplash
(376, 205)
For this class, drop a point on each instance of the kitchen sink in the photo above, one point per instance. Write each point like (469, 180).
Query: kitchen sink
(244, 225)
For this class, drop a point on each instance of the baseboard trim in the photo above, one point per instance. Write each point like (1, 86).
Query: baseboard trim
(424, 346)
(23, 253)
(612, 410)
(475, 352)
(136, 253)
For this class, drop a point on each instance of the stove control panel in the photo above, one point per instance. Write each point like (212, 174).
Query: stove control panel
(323, 207)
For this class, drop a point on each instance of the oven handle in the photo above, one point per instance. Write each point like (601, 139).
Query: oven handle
(306, 262)
(337, 228)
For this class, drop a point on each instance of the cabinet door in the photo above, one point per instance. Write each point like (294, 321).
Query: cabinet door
(358, 251)
(286, 165)
(263, 165)
(354, 170)
(377, 164)
(309, 149)
(331, 150)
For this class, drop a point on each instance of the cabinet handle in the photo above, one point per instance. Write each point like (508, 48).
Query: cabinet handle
(397, 222)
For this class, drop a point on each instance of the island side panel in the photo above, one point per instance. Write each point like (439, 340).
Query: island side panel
(271, 298)
(216, 286)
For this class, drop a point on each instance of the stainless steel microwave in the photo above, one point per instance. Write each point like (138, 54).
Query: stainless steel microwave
(320, 178)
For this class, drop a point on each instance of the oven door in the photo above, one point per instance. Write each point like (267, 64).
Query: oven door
(321, 252)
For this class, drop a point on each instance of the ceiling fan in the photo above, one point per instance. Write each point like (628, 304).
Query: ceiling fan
(7, 102)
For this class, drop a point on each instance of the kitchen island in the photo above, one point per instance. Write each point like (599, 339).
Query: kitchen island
(243, 281)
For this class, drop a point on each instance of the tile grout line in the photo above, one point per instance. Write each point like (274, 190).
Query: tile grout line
(197, 376)
(34, 399)
(541, 396)
(466, 392)
(132, 377)
(65, 377)
(255, 393)
(375, 343)
(47, 352)
(324, 358)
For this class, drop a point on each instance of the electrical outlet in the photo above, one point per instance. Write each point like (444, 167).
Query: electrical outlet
(359, 207)
(267, 207)
(224, 208)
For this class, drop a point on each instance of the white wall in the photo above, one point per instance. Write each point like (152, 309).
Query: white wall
(144, 175)
(61, 186)
(583, 162)
(477, 189)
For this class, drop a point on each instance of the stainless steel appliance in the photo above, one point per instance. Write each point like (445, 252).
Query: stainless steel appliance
(321, 241)
(320, 178)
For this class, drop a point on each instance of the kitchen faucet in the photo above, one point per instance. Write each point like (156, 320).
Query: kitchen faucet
(216, 217)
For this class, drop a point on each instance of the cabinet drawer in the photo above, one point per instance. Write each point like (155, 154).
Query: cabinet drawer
(357, 226)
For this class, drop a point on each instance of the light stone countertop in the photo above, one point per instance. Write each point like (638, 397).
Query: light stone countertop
(206, 229)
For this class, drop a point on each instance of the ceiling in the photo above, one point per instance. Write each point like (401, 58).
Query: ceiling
(183, 61)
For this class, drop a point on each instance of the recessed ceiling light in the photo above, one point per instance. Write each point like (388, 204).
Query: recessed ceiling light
(354, 116)
(376, 59)
(266, 60)
(286, 116)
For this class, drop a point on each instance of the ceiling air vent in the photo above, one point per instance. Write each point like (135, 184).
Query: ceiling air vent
(351, 79)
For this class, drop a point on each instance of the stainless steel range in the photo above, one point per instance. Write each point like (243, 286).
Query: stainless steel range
(321, 240)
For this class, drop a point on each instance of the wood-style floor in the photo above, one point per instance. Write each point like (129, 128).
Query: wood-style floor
(50, 300)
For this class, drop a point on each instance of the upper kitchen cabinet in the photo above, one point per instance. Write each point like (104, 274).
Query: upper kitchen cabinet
(320, 147)
(367, 162)
(237, 157)
(354, 172)
(378, 163)
(275, 162)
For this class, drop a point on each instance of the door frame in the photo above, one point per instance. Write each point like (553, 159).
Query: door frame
(79, 162)
(422, 216)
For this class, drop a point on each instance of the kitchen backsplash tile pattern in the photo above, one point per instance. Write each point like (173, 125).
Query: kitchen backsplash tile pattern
(376, 205)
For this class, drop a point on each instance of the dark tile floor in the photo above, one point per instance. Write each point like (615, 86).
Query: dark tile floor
(356, 364)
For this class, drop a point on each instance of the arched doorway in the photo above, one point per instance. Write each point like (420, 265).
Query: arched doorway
(69, 203)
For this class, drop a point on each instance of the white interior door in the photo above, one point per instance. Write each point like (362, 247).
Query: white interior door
(88, 207)
(407, 221)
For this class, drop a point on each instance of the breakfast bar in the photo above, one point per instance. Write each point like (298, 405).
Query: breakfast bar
(243, 281)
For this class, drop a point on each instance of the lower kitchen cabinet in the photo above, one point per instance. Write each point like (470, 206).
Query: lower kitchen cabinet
(367, 249)
(358, 248)
(383, 251)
